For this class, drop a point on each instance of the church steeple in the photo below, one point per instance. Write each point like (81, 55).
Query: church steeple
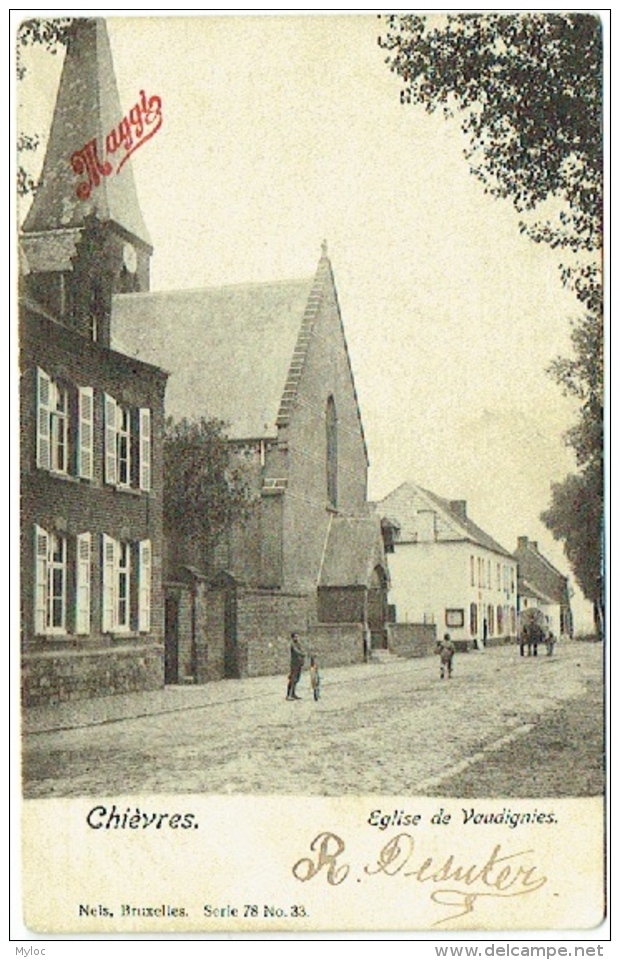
(84, 237)
(87, 108)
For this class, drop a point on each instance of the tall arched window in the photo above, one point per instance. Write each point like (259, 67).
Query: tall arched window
(331, 432)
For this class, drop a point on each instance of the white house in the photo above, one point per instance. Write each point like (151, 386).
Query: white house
(445, 570)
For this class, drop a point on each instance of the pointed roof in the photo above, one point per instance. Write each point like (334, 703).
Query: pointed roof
(402, 506)
(535, 571)
(353, 549)
(228, 349)
(236, 352)
(87, 107)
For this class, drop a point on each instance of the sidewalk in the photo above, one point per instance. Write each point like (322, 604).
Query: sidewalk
(172, 699)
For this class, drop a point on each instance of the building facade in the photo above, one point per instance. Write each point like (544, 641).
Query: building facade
(447, 571)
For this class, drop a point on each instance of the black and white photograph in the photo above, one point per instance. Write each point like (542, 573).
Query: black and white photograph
(310, 325)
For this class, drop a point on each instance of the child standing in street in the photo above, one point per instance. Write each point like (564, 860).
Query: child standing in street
(315, 678)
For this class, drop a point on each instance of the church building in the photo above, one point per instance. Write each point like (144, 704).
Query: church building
(107, 604)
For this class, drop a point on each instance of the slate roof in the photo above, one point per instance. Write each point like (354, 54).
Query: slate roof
(228, 349)
(474, 533)
(87, 107)
(354, 548)
(401, 508)
(535, 570)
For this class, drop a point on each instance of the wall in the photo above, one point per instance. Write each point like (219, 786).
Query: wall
(337, 644)
(429, 578)
(63, 675)
(326, 371)
(412, 639)
(265, 620)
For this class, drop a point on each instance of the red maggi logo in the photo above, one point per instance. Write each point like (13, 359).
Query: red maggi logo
(139, 125)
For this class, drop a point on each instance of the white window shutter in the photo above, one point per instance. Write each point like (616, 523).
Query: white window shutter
(110, 582)
(145, 448)
(41, 547)
(144, 586)
(82, 584)
(110, 425)
(44, 389)
(85, 433)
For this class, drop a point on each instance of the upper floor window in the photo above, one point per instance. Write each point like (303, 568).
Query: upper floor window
(331, 430)
(60, 448)
(52, 424)
(127, 445)
(472, 571)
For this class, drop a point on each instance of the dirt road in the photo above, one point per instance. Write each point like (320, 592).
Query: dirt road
(386, 728)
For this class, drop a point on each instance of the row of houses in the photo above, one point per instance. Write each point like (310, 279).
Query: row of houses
(109, 604)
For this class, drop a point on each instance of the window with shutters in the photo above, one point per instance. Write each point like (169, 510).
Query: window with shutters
(52, 424)
(126, 585)
(62, 588)
(50, 602)
(123, 446)
(65, 427)
(127, 441)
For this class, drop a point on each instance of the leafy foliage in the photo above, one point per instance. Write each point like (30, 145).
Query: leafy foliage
(51, 34)
(528, 90)
(205, 491)
(575, 516)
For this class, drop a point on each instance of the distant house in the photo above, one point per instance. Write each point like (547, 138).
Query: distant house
(271, 361)
(446, 570)
(91, 418)
(541, 585)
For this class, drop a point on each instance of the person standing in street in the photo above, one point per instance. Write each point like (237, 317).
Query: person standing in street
(315, 678)
(446, 656)
(297, 661)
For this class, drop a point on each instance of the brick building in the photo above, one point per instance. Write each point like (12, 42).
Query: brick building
(91, 418)
(542, 586)
(271, 361)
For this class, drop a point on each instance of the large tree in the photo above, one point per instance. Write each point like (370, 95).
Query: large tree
(206, 491)
(528, 91)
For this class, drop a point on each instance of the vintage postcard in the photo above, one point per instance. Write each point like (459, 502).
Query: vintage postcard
(311, 448)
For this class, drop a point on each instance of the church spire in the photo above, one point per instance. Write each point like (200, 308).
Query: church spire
(87, 109)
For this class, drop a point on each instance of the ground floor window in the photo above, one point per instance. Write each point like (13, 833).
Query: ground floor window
(500, 620)
(62, 583)
(126, 586)
(490, 621)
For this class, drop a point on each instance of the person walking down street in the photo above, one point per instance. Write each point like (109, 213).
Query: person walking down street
(446, 656)
(315, 678)
(297, 661)
(550, 641)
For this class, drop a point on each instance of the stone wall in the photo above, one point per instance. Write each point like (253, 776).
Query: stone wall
(265, 621)
(412, 639)
(337, 644)
(60, 676)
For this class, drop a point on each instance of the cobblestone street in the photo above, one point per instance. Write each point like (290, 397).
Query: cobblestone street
(388, 727)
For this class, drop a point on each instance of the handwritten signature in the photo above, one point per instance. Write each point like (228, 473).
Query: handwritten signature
(140, 124)
(454, 884)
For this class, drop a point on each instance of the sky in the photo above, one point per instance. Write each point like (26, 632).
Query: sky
(280, 132)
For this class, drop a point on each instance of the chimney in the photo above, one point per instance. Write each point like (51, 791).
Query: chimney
(522, 543)
(459, 507)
